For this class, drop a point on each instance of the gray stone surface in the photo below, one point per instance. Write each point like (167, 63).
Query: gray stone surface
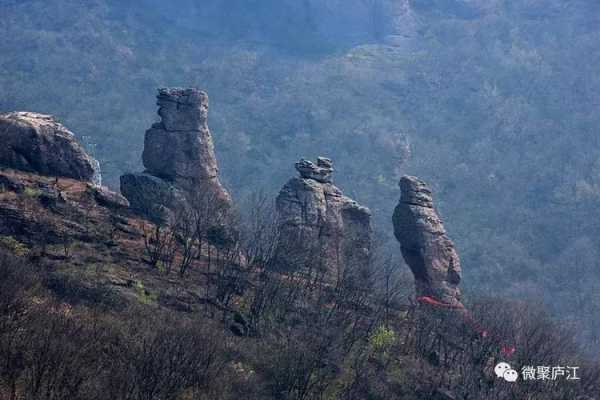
(182, 109)
(151, 196)
(320, 172)
(37, 143)
(108, 198)
(180, 148)
(426, 248)
(183, 157)
(319, 225)
(179, 152)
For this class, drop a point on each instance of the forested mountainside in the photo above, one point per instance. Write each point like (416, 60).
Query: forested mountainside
(173, 291)
(492, 102)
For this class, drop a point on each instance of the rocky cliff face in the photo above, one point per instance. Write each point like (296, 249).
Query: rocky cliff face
(179, 157)
(37, 143)
(426, 248)
(320, 227)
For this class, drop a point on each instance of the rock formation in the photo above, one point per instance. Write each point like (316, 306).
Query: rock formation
(319, 225)
(178, 156)
(37, 143)
(109, 199)
(49, 184)
(426, 248)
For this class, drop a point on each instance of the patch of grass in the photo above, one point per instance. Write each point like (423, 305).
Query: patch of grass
(73, 291)
(13, 245)
(31, 193)
(143, 295)
(382, 339)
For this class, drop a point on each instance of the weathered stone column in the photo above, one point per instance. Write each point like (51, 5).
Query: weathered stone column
(426, 248)
(179, 158)
(321, 229)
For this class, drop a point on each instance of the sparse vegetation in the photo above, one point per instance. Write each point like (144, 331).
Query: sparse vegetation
(494, 103)
(494, 106)
(13, 246)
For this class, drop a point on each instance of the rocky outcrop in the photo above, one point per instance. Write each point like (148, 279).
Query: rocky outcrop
(426, 248)
(46, 177)
(108, 198)
(320, 228)
(178, 156)
(322, 172)
(38, 208)
(151, 196)
(37, 143)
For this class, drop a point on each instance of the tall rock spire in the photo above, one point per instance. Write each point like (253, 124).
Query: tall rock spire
(178, 156)
(426, 248)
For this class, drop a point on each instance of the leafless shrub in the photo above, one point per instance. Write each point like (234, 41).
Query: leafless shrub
(160, 245)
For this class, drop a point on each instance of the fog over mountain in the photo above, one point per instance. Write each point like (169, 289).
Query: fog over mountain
(495, 103)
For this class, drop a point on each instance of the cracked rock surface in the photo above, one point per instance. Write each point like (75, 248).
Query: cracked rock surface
(425, 246)
(319, 225)
(178, 156)
(38, 143)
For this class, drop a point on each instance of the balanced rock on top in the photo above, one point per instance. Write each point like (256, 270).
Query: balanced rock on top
(320, 228)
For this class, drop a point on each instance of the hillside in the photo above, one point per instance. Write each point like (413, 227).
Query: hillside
(492, 102)
(103, 299)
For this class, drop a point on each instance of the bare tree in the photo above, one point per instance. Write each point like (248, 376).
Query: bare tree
(160, 244)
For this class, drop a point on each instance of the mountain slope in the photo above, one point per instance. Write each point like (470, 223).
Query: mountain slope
(493, 102)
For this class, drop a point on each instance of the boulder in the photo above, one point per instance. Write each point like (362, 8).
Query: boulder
(37, 143)
(185, 157)
(425, 246)
(151, 196)
(108, 198)
(321, 172)
(320, 227)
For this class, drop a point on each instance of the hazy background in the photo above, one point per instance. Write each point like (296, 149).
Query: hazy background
(494, 103)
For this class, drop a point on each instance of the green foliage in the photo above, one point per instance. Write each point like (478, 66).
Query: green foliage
(382, 339)
(31, 192)
(143, 295)
(13, 245)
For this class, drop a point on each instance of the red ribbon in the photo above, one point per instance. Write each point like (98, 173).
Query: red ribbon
(434, 302)
(505, 350)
